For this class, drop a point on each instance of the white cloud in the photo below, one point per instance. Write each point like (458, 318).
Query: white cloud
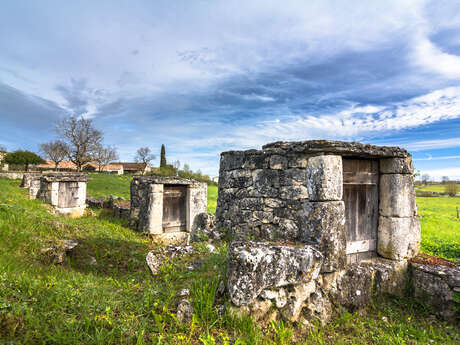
(430, 57)
(433, 144)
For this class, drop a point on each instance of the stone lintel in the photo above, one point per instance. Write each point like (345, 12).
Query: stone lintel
(341, 148)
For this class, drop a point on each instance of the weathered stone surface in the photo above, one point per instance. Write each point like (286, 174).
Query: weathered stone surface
(184, 312)
(297, 192)
(231, 160)
(278, 162)
(197, 198)
(154, 262)
(28, 177)
(146, 210)
(172, 238)
(94, 203)
(33, 183)
(57, 254)
(296, 298)
(338, 147)
(436, 285)
(323, 226)
(398, 238)
(151, 209)
(66, 192)
(397, 165)
(256, 266)
(325, 178)
(354, 286)
(397, 196)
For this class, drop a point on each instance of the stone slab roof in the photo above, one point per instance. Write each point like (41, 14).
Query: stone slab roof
(339, 147)
(165, 180)
(67, 176)
(342, 148)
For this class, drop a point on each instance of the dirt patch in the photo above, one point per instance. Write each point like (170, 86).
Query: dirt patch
(426, 259)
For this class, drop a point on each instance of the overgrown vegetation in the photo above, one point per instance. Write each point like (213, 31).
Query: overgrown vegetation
(104, 294)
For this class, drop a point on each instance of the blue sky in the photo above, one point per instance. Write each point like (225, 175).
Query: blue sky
(204, 77)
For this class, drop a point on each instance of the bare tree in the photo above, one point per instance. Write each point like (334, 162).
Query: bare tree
(445, 179)
(144, 155)
(425, 178)
(82, 139)
(104, 155)
(55, 151)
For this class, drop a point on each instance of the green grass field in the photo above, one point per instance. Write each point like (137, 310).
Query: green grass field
(104, 294)
(440, 226)
(439, 188)
(100, 186)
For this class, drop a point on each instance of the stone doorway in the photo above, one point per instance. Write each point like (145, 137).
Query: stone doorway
(174, 208)
(361, 199)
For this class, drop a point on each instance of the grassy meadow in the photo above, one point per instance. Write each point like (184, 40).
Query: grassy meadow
(439, 188)
(103, 293)
(440, 226)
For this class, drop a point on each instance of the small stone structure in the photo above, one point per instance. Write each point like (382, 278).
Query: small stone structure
(31, 181)
(338, 218)
(166, 207)
(65, 191)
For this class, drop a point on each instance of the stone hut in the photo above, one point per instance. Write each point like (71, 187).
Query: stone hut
(166, 207)
(66, 192)
(31, 181)
(316, 217)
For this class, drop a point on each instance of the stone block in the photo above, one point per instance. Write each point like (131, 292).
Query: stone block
(325, 178)
(256, 266)
(278, 162)
(437, 285)
(296, 192)
(293, 176)
(396, 165)
(151, 209)
(231, 160)
(398, 238)
(322, 225)
(397, 196)
(197, 195)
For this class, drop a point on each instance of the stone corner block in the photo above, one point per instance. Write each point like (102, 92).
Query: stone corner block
(398, 238)
(256, 266)
(396, 165)
(397, 196)
(323, 227)
(325, 178)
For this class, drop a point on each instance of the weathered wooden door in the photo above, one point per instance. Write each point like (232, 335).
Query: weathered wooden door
(174, 208)
(68, 194)
(360, 194)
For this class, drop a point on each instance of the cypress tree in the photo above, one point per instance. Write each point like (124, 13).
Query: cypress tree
(163, 157)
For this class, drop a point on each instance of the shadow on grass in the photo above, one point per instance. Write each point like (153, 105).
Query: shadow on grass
(108, 215)
(109, 257)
